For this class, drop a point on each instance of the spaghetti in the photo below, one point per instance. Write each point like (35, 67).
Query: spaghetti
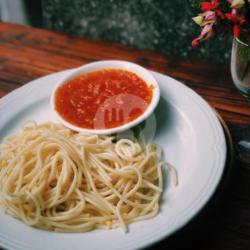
(55, 179)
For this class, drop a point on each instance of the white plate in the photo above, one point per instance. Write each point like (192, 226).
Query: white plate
(192, 139)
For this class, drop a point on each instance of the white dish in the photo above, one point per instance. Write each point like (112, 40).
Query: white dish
(192, 139)
(111, 64)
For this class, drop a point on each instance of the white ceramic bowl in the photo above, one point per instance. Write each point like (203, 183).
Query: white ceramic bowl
(111, 64)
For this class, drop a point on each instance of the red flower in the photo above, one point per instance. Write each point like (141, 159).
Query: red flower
(195, 43)
(213, 18)
(206, 6)
(213, 5)
(236, 30)
(206, 33)
(234, 17)
(237, 20)
(220, 14)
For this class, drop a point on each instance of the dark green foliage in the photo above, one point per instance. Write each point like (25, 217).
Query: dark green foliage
(197, 3)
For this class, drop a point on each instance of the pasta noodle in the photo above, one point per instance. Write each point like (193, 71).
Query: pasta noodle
(56, 179)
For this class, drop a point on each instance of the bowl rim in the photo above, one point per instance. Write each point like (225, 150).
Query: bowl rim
(110, 64)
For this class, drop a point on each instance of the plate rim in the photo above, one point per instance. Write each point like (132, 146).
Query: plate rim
(28, 87)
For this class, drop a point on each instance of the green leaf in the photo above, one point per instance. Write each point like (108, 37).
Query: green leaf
(197, 3)
(224, 6)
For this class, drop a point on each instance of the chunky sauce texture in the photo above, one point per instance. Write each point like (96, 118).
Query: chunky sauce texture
(103, 99)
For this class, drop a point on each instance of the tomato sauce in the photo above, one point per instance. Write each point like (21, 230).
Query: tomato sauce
(103, 99)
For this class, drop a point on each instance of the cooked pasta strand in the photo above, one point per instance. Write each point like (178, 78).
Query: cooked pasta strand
(56, 179)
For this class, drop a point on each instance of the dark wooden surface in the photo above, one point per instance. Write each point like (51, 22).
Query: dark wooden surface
(27, 53)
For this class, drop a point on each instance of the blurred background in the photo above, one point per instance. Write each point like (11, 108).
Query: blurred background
(163, 26)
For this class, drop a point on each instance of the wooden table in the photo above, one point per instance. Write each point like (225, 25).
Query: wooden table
(27, 53)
